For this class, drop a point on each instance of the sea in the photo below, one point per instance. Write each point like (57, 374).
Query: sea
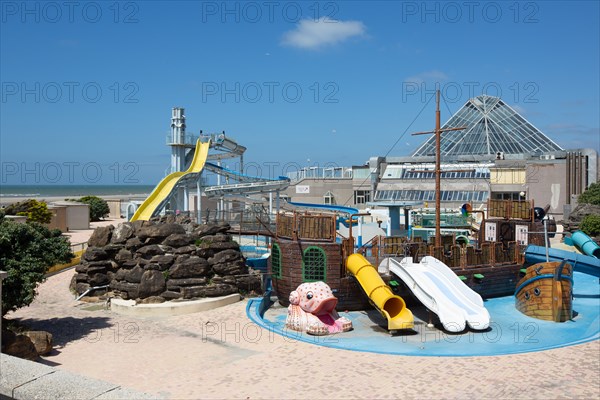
(69, 191)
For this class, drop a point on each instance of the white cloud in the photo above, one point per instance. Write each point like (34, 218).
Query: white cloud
(433, 75)
(314, 34)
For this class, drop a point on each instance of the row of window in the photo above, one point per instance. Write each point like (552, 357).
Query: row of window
(314, 263)
(447, 175)
(429, 195)
(508, 196)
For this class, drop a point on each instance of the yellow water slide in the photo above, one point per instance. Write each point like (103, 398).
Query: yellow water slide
(391, 306)
(166, 186)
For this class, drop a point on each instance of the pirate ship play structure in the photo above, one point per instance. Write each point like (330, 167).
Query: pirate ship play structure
(307, 247)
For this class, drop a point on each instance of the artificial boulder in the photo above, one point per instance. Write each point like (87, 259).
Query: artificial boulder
(190, 268)
(42, 341)
(152, 250)
(178, 240)
(161, 231)
(122, 233)
(152, 284)
(101, 236)
(95, 254)
(18, 346)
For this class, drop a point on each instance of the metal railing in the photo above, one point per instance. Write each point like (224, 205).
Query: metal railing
(183, 139)
(255, 219)
(79, 248)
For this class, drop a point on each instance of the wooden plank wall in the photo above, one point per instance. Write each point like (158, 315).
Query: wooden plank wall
(306, 227)
(510, 209)
(345, 288)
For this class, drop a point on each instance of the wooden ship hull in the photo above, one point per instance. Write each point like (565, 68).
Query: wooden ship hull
(306, 248)
(545, 292)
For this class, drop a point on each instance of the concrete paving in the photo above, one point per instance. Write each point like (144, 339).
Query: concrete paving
(22, 379)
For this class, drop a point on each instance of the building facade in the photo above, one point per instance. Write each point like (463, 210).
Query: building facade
(499, 155)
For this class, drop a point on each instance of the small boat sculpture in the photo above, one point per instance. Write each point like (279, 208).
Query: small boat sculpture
(546, 291)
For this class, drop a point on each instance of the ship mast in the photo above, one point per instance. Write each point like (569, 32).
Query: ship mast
(438, 166)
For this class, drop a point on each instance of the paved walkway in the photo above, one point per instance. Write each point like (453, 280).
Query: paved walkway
(221, 354)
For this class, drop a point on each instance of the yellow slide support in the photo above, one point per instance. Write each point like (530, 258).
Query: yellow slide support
(391, 306)
(165, 187)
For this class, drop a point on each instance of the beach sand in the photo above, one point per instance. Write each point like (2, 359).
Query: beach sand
(5, 201)
(221, 354)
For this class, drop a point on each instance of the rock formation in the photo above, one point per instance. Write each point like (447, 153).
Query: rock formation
(163, 260)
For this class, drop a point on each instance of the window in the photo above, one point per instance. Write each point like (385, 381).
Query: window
(506, 196)
(314, 264)
(362, 196)
(276, 261)
(329, 198)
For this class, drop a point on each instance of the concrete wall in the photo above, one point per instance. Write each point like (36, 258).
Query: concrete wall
(314, 190)
(114, 205)
(59, 218)
(546, 184)
(78, 214)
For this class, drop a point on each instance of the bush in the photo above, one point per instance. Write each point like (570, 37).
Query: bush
(590, 225)
(26, 252)
(98, 207)
(35, 211)
(591, 195)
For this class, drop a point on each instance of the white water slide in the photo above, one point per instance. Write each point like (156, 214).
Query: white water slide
(442, 292)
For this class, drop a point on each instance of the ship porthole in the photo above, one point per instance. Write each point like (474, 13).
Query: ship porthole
(537, 291)
(527, 296)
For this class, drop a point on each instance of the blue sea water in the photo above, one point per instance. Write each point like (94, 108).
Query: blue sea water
(40, 191)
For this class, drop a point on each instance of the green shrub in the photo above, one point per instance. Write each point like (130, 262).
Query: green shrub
(26, 252)
(590, 225)
(98, 207)
(35, 211)
(591, 195)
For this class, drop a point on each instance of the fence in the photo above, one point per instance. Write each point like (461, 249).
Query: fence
(316, 227)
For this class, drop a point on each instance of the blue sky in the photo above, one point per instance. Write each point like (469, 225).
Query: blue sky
(88, 87)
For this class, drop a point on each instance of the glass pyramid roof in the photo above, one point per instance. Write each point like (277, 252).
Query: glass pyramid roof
(492, 127)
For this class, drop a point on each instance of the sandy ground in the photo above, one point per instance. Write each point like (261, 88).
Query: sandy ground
(221, 354)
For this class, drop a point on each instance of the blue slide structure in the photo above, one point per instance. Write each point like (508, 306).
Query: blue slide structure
(584, 243)
(245, 185)
(580, 262)
(329, 207)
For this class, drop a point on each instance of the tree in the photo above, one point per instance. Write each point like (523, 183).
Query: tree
(591, 195)
(35, 211)
(98, 207)
(590, 224)
(26, 252)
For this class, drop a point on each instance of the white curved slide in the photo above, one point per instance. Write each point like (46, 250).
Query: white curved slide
(442, 292)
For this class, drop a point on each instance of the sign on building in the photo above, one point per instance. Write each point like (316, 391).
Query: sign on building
(490, 231)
